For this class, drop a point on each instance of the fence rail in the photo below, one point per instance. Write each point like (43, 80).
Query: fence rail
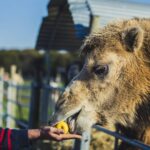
(15, 97)
(84, 144)
(133, 142)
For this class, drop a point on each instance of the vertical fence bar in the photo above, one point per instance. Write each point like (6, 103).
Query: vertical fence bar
(34, 105)
(116, 141)
(83, 144)
(77, 144)
(9, 121)
(11, 105)
(44, 106)
(45, 92)
(1, 101)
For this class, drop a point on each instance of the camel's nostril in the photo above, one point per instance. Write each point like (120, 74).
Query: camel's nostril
(55, 119)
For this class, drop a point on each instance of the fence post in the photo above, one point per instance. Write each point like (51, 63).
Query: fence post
(94, 23)
(83, 144)
(77, 144)
(44, 106)
(11, 104)
(34, 105)
(1, 101)
(116, 141)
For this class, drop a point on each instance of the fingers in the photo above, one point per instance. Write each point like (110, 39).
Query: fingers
(65, 136)
(57, 134)
(70, 136)
(53, 130)
(56, 137)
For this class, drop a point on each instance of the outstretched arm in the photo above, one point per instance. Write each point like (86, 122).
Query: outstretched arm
(50, 133)
(13, 139)
(17, 139)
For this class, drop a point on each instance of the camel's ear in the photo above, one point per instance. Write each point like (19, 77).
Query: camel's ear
(132, 38)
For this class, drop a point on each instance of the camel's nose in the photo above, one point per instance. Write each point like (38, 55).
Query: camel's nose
(55, 118)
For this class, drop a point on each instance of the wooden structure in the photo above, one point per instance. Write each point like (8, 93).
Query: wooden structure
(58, 30)
(69, 21)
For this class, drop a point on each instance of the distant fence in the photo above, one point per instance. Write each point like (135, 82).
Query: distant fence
(14, 104)
(17, 102)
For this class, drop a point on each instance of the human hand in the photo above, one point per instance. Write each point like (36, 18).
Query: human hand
(51, 133)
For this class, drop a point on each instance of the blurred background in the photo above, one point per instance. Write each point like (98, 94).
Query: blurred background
(39, 55)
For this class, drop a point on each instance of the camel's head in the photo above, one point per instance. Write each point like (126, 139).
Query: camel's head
(107, 91)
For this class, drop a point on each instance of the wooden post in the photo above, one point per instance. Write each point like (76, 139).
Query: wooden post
(2, 71)
(11, 104)
(1, 101)
(94, 23)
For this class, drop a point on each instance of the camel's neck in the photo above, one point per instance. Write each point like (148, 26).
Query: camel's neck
(143, 112)
(142, 121)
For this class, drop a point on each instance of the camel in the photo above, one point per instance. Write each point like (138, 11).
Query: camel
(113, 87)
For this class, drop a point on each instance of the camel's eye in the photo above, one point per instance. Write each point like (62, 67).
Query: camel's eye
(101, 70)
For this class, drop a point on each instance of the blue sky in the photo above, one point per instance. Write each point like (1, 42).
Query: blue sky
(20, 22)
(142, 1)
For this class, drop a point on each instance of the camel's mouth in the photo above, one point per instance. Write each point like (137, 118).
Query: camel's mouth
(72, 122)
(69, 118)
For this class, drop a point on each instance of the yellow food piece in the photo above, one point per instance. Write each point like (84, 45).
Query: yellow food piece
(62, 125)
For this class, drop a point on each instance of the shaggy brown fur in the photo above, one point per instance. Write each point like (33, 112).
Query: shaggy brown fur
(113, 88)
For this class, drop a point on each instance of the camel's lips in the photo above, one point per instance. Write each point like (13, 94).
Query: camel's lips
(69, 118)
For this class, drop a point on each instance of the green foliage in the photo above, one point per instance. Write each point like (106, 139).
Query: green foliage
(7, 58)
(31, 63)
(61, 60)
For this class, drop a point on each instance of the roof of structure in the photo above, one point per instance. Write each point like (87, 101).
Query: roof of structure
(68, 21)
